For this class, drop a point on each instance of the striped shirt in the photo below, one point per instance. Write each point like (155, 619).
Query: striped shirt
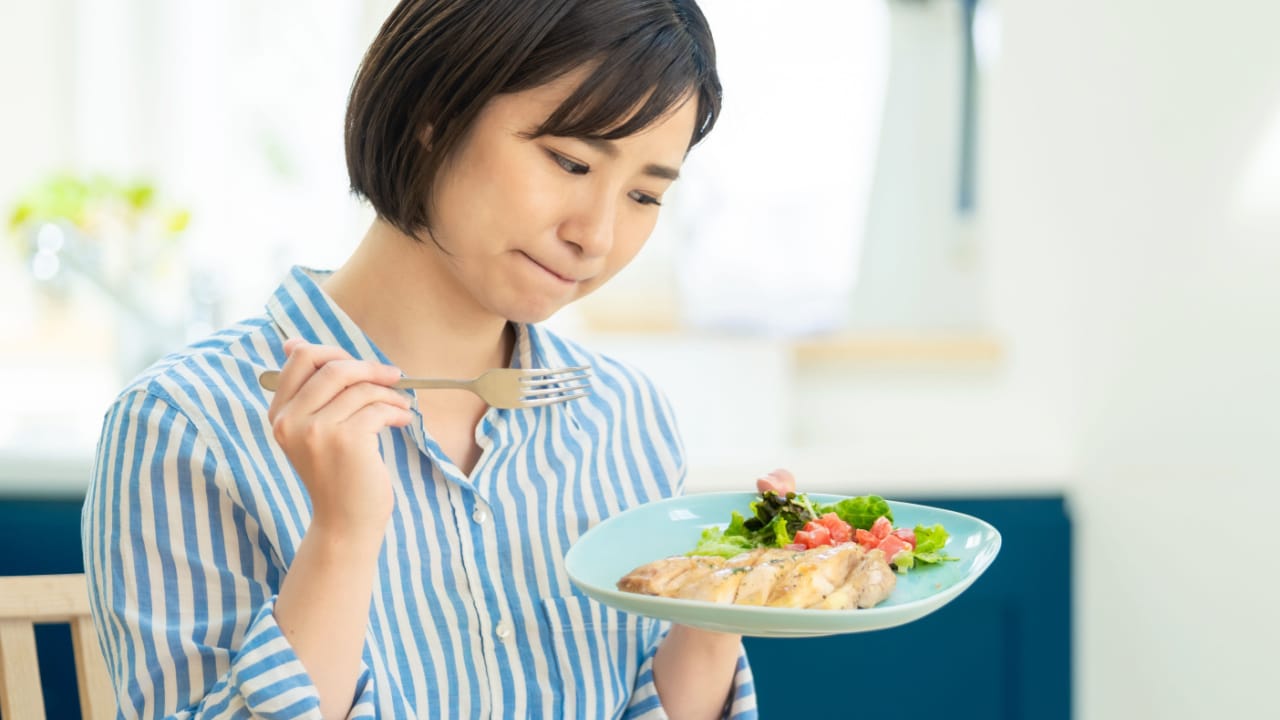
(194, 515)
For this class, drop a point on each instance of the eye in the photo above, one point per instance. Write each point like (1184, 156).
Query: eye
(569, 166)
(644, 199)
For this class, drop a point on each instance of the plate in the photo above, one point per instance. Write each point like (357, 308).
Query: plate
(669, 527)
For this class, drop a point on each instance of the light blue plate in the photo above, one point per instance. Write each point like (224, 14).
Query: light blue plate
(661, 529)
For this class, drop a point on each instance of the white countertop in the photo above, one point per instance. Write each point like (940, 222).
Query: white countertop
(45, 473)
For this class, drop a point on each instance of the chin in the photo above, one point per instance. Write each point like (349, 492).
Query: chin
(527, 313)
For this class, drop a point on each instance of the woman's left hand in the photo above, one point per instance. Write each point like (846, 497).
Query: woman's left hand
(780, 481)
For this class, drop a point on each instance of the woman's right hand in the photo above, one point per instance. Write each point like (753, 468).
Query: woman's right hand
(326, 415)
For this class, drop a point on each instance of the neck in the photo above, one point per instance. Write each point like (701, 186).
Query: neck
(400, 293)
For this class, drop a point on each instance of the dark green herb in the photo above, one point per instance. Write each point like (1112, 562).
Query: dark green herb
(795, 511)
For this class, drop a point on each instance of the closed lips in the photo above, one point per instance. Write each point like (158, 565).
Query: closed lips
(560, 277)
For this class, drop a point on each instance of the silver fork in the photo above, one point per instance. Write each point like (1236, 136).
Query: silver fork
(501, 387)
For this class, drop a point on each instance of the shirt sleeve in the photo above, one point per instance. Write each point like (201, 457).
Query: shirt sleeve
(646, 705)
(181, 583)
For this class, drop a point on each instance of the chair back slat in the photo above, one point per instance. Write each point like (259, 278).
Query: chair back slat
(44, 598)
(20, 695)
(97, 698)
(30, 600)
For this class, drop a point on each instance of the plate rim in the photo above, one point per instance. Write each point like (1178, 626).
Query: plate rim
(908, 611)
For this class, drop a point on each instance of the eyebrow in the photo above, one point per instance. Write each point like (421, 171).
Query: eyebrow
(608, 147)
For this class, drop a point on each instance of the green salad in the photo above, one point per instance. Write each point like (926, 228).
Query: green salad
(793, 522)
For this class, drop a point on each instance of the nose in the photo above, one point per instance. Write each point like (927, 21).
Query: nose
(590, 228)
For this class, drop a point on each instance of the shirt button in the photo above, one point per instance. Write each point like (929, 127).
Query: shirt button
(480, 515)
(503, 631)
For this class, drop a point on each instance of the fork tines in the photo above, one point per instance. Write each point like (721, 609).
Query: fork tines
(543, 386)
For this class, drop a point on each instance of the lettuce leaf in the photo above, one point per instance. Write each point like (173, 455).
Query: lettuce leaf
(860, 512)
(737, 526)
(930, 542)
(738, 537)
(775, 534)
(715, 541)
(930, 539)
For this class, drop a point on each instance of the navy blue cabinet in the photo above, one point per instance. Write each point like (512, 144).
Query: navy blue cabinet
(1001, 651)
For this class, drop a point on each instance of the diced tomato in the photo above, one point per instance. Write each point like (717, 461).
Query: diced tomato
(814, 534)
(822, 534)
(865, 539)
(893, 545)
(819, 535)
(907, 534)
(841, 532)
(881, 527)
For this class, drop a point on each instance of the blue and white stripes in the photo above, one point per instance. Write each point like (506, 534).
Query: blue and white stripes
(194, 515)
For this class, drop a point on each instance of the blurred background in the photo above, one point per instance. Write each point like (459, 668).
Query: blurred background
(1019, 258)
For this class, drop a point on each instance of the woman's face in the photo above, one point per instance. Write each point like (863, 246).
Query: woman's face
(532, 224)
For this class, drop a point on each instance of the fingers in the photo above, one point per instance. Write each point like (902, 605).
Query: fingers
(780, 481)
(313, 374)
(374, 417)
(352, 400)
(302, 361)
(335, 377)
(327, 399)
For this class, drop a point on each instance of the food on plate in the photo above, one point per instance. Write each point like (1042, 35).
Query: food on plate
(790, 521)
(834, 577)
(793, 553)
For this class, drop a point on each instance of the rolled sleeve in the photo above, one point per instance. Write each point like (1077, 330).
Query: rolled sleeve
(181, 598)
(273, 682)
(268, 674)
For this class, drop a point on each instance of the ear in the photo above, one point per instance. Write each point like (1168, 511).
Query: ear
(424, 136)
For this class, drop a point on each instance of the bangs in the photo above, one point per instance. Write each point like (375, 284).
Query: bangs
(647, 74)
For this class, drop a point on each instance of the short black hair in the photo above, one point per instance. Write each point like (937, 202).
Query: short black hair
(437, 63)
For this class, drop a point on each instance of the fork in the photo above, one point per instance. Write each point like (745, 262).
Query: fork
(506, 388)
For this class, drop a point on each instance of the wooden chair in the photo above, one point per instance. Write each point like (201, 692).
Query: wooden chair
(26, 601)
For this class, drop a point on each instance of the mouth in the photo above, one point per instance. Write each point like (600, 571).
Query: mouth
(557, 276)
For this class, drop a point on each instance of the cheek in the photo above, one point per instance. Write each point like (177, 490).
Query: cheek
(628, 241)
(630, 238)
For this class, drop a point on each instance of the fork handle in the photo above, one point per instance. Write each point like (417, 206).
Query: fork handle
(432, 384)
(270, 380)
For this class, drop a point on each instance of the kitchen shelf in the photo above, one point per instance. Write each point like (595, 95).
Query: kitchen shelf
(898, 348)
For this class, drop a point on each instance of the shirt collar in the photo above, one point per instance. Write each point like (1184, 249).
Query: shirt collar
(302, 309)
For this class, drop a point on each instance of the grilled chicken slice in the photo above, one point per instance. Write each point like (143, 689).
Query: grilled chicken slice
(657, 577)
(752, 558)
(839, 577)
(718, 586)
(814, 575)
(757, 582)
(877, 579)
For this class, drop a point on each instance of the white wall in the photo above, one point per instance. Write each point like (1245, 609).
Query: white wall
(1119, 134)
(36, 47)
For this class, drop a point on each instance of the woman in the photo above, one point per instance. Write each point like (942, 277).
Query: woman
(341, 548)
